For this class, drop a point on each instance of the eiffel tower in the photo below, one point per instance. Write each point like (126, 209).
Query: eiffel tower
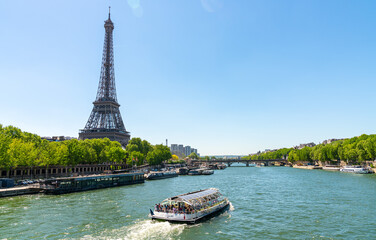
(105, 120)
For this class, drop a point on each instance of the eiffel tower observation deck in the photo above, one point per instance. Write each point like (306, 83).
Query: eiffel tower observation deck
(105, 119)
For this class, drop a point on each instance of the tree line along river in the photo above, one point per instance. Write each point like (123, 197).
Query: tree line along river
(267, 203)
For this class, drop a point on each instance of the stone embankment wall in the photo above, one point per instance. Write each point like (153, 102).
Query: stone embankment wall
(341, 163)
(20, 173)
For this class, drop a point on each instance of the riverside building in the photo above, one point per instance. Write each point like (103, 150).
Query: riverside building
(181, 150)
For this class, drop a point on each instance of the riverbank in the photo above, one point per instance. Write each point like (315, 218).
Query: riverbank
(329, 168)
(313, 199)
(310, 167)
(105, 179)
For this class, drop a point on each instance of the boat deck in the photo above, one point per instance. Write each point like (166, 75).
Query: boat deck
(16, 191)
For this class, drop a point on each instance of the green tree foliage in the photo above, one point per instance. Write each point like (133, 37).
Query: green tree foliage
(353, 150)
(136, 158)
(19, 148)
(159, 154)
(21, 153)
(5, 142)
(193, 156)
(142, 146)
(137, 150)
(278, 154)
(140, 152)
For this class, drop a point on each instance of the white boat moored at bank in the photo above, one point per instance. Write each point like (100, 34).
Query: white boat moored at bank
(190, 207)
(331, 168)
(355, 169)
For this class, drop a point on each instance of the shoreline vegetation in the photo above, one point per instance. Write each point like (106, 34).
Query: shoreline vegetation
(23, 149)
(18, 148)
(356, 150)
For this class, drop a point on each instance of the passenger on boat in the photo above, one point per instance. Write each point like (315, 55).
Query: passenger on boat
(186, 209)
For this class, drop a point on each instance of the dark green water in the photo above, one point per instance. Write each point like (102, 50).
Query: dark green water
(268, 203)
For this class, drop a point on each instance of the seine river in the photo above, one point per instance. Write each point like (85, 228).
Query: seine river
(267, 203)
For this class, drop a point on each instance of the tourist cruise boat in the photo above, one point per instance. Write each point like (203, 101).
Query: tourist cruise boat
(161, 175)
(191, 207)
(355, 169)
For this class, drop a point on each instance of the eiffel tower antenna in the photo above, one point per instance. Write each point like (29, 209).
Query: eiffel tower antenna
(105, 119)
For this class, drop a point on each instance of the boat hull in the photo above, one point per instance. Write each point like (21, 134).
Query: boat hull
(162, 177)
(72, 190)
(331, 168)
(79, 184)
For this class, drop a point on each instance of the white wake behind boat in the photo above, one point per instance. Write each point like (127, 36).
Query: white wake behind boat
(191, 207)
(355, 169)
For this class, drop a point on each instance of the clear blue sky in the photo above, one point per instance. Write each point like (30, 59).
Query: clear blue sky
(226, 77)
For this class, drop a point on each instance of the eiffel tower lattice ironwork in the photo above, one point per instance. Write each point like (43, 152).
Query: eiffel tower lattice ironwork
(105, 118)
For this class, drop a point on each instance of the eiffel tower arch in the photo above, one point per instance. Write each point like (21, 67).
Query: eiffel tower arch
(105, 119)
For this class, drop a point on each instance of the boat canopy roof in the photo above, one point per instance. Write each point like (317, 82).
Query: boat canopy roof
(200, 194)
(194, 197)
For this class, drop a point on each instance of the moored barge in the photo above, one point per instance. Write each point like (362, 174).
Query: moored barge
(77, 184)
(161, 175)
(201, 171)
(191, 207)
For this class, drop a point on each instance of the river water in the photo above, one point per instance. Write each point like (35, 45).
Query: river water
(267, 203)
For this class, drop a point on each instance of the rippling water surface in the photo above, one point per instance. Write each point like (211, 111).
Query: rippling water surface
(267, 203)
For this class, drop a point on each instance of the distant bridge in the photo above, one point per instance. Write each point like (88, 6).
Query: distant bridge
(267, 162)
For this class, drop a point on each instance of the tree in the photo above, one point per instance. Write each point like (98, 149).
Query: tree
(62, 154)
(193, 156)
(146, 147)
(19, 148)
(142, 146)
(12, 132)
(116, 154)
(369, 147)
(159, 154)
(75, 152)
(132, 148)
(46, 153)
(293, 157)
(99, 146)
(175, 157)
(21, 153)
(5, 141)
(137, 149)
(304, 154)
(136, 158)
